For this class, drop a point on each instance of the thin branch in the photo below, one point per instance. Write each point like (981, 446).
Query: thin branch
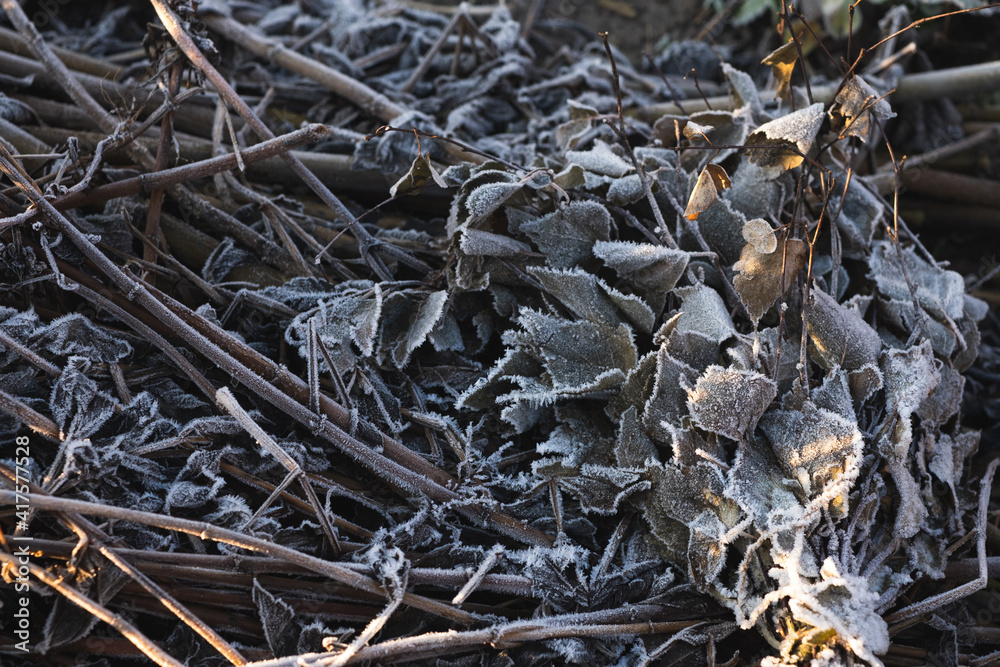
(141, 641)
(366, 241)
(207, 531)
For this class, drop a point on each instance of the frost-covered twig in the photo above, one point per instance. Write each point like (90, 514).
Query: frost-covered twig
(432, 644)
(207, 531)
(226, 399)
(129, 631)
(367, 242)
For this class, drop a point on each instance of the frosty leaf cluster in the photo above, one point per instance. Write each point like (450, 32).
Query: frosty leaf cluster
(696, 375)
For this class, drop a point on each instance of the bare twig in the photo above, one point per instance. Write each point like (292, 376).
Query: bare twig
(367, 242)
(207, 531)
(141, 641)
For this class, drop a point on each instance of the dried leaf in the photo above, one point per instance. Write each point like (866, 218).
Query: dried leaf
(858, 102)
(762, 281)
(414, 180)
(782, 62)
(760, 235)
(796, 130)
(713, 179)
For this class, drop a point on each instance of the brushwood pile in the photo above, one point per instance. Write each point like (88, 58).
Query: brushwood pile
(613, 382)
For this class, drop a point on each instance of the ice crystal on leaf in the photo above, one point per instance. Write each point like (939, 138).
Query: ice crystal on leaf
(567, 236)
(729, 402)
(796, 130)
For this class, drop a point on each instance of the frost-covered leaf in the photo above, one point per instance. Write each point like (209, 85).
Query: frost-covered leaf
(634, 448)
(704, 311)
(816, 447)
(74, 334)
(567, 236)
(755, 194)
(198, 482)
(78, 406)
(756, 482)
(795, 130)
(226, 257)
(839, 336)
(684, 510)
(635, 391)
(482, 243)
(860, 216)
(840, 605)
(578, 290)
(761, 281)
(858, 102)
(487, 198)
(910, 376)
(556, 573)
(601, 489)
(744, 89)
(693, 129)
(722, 228)
(729, 402)
(667, 402)
(760, 235)
(351, 315)
(939, 291)
(945, 401)
(406, 323)
(644, 266)
(835, 394)
(489, 186)
(580, 438)
(625, 190)
(554, 358)
(706, 550)
(278, 619)
(636, 311)
(600, 159)
(579, 353)
(782, 63)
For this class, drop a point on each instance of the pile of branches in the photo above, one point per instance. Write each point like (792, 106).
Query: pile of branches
(343, 335)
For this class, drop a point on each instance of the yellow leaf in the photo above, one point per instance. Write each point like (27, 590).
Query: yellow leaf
(719, 177)
(782, 62)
